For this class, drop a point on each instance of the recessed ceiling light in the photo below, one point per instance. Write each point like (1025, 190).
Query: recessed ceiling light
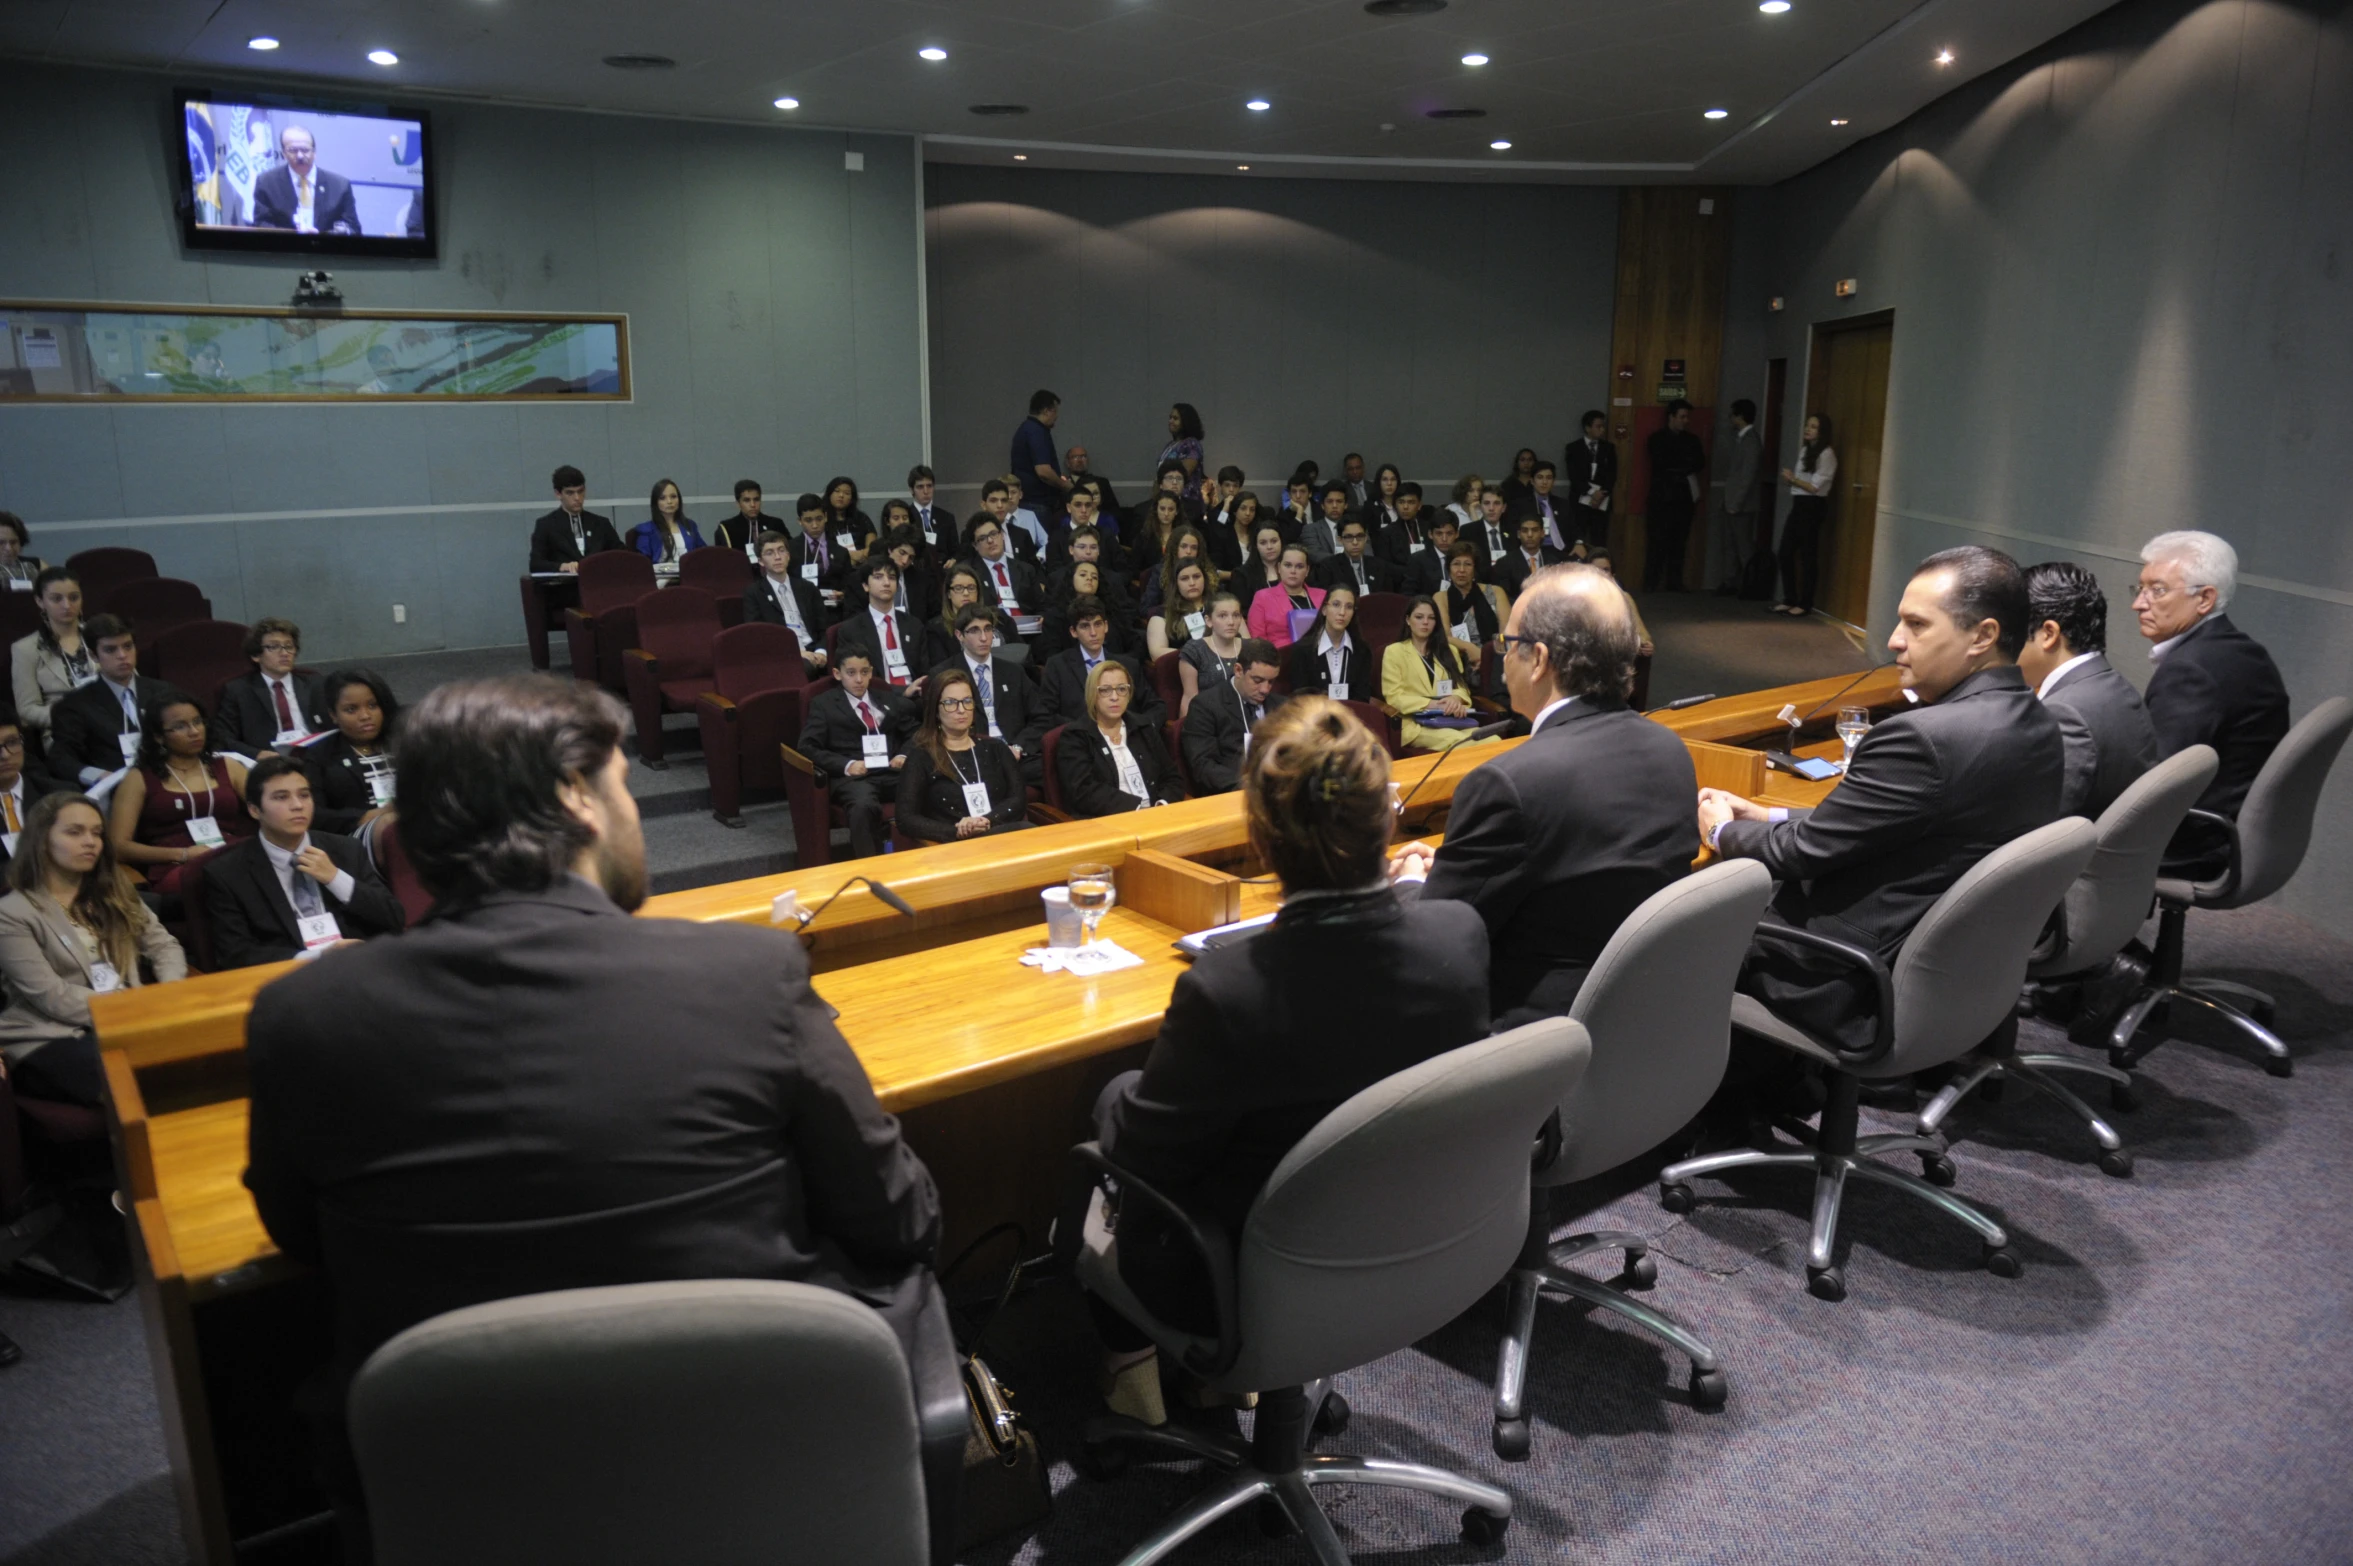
(1717, 114)
(1021, 157)
(933, 53)
(1258, 106)
(264, 43)
(1500, 146)
(1772, 7)
(1474, 59)
(788, 103)
(1944, 56)
(1244, 167)
(1838, 122)
(382, 57)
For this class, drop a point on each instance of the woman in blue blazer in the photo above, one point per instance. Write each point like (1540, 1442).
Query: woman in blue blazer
(669, 533)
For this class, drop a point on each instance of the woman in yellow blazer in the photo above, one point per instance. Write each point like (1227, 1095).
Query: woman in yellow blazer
(1422, 677)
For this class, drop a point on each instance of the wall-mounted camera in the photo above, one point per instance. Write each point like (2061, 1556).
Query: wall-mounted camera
(317, 291)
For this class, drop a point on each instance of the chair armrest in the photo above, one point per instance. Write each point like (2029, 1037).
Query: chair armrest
(1047, 815)
(800, 763)
(1882, 981)
(716, 703)
(1208, 1241)
(2228, 886)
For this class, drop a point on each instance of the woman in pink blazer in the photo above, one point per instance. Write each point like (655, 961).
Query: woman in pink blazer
(1271, 609)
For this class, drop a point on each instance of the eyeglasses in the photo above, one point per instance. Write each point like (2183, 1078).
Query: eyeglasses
(185, 726)
(279, 647)
(955, 704)
(1512, 642)
(11, 747)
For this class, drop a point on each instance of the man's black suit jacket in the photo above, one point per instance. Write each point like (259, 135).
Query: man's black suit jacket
(1396, 542)
(1676, 456)
(247, 719)
(1931, 792)
(1028, 587)
(1062, 690)
(2110, 741)
(1580, 470)
(760, 605)
(1090, 777)
(85, 723)
(1556, 841)
(741, 534)
(941, 540)
(1382, 575)
(1211, 738)
(252, 920)
(1020, 721)
(858, 630)
(551, 539)
(833, 736)
(1512, 576)
(542, 1092)
(331, 201)
(2217, 686)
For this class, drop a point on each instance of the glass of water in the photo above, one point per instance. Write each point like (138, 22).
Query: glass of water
(1092, 892)
(1853, 724)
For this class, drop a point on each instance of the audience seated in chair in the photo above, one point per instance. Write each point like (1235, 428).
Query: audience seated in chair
(668, 533)
(857, 737)
(276, 706)
(288, 890)
(55, 660)
(1332, 660)
(22, 784)
(1424, 682)
(1219, 723)
(181, 801)
(743, 531)
(351, 765)
(959, 781)
(2110, 741)
(94, 730)
(1111, 758)
(1009, 710)
(571, 533)
(786, 596)
(1062, 681)
(891, 637)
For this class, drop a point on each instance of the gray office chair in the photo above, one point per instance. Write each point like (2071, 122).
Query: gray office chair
(1955, 980)
(729, 1421)
(2103, 910)
(1654, 1004)
(2267, 846)
(1393, 1216)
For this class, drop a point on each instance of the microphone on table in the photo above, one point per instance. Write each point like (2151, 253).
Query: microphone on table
(1487, 731)
(1689, 701)
(787, 903)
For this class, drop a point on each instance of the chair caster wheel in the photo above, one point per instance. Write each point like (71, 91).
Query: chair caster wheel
(1677, 1198)
(2002, 1262)
(1937, 1169)
(1641, 1271)
(1709, 1389)
(1480, 1527)
(2122, 1098)
(1105, 1460)
(2279, 1065)
(2117, 1162)
(1331, 1419)
(1826, 1283)
(1511, 1440)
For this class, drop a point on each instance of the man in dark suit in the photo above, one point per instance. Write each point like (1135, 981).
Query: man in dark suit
(1531, 555)
(1560, 530)
(1589, 473)
(1676, 459)
(287, 889)
(21, 784)
(1428, 572)
(1930, 792)
(936, 523)
(2110, 741)
(1008, 702)
(95, 730)
(744, 530)
(535, 1091)
(1355, 566)
(1216, 732)
(1353, 484)
(779, 595)
(857, 737)
(1321, 537)
(1062, 696)
(816, 558)
(1020, 593)
(1405, 542)
(569, 534)
(276, 700)
(891, 638)
(2215, 685)
(300, 195)
(1557, 840)
(1494, 535)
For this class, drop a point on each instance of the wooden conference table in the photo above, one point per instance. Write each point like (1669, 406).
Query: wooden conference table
(991, 1065)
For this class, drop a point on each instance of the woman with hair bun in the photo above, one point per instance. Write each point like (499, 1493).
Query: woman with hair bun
(1264, 1037)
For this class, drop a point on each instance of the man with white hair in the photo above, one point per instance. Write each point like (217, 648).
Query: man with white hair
(299, 195)
(2214, 685)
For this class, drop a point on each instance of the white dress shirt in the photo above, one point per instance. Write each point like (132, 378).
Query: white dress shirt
(2053, 677)
(282, 861)
(782, 587)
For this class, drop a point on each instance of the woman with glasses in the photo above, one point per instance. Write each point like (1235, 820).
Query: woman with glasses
(181, 801)
(1474, 613)
(1108, 765)
(964, 584)
(958, 783)
(53, 661)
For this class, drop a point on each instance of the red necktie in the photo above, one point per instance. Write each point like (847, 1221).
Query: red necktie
(867, 713)
(890, 642)
(285, 713)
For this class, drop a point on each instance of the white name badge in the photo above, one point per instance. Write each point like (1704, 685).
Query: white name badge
(1468, 631)
(1028, 624)
(205, 832)
(875, 747)
(18, 584)
(976, 799)
(86, 679)
(845, 540)
(809, 572)
(1339, 690)
(318, 930)
(1421, 546)
(1196, 625)
(380, 788)
(1444, 689)
(286, 737)
(103, 979)
(130, 744)
(894, 661)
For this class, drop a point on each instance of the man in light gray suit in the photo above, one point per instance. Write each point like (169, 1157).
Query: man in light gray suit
(1736, 516)
(2110, 740)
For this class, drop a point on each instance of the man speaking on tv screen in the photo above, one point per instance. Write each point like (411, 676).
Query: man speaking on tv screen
(300, 195)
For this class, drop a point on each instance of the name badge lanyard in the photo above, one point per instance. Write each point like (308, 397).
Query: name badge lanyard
(976, 793)
(203, 830)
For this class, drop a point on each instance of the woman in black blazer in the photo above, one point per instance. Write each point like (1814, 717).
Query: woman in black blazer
(947, 758)
(1256, 1045)
(1109, 765)
(1355, 675)
(352, 765)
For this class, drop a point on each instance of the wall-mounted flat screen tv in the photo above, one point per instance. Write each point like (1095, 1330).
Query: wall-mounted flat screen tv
(304, 175)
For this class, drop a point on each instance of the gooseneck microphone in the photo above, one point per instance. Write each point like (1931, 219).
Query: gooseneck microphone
(1488, 731)
(803, 918)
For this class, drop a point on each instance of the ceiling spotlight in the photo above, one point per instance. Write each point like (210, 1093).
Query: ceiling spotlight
(382, 57)
(788, 103)
(1244, 167)
(1772, 7)
(933, 53)
(1717, 114)
(1021, 157)
(1944, 56)
(1474, 59)
(1500, 146)
(1258, 106)
(1838, 122)
(265, 43)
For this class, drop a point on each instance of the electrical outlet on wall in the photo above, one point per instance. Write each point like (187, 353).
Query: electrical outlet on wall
(400, 614)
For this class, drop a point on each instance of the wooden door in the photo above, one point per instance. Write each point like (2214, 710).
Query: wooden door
(1847, 383)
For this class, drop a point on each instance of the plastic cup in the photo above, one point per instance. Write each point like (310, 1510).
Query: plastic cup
(1065, 928)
